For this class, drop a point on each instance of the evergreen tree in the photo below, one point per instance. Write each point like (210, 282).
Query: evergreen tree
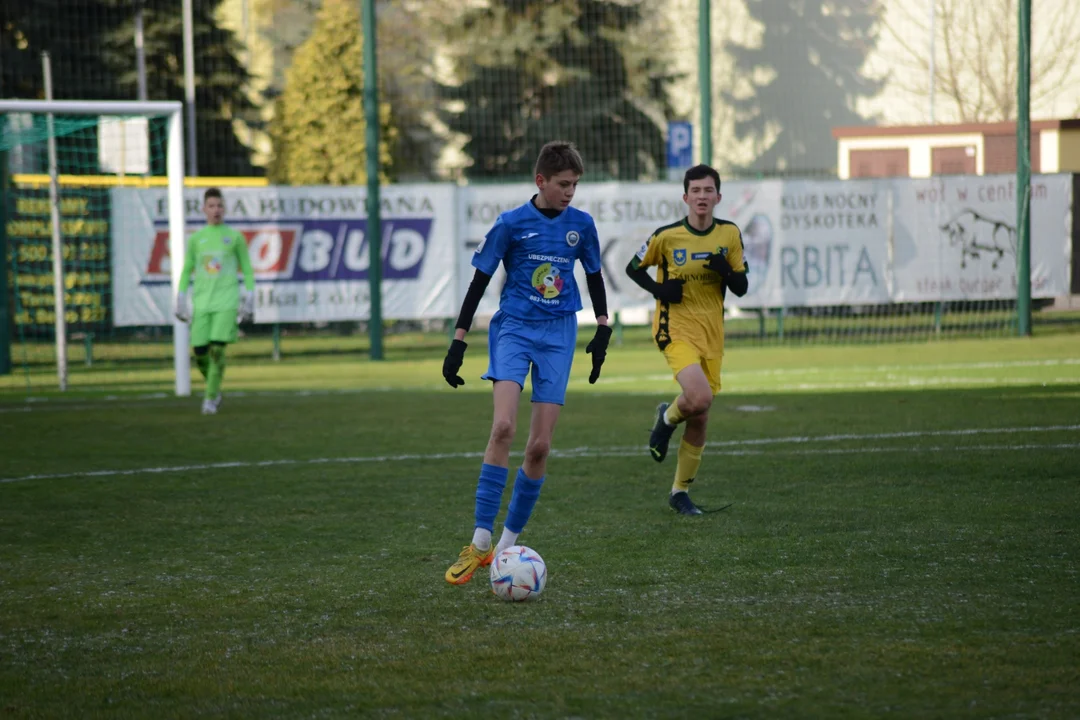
(74, 37)
(534, 71)
(319, 125)
(92, 54)
(806, 75)
(220, 77)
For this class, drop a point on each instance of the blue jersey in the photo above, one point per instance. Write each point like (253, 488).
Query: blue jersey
(539, 253)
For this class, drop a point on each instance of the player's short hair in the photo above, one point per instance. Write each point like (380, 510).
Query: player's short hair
(213, 193)
(700, 172)
(557, 156)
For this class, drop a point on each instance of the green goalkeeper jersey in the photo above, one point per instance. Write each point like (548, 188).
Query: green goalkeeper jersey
(216, 253)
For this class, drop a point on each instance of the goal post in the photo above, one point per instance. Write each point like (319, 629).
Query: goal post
(170, 111)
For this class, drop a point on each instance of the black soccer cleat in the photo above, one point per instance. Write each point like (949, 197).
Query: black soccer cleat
(660, 435)
(681, 503)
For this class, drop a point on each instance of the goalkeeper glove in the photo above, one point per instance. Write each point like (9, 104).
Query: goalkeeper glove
(246, 310)
(452, 364)
(597, 347)
(669, 291)
(183, 307)
(718, 264)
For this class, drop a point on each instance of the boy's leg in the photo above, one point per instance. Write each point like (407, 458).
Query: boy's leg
(690, 451)
(695, 380)
(202, 359)
(695, 398)
(530, 477)
(200, 341)
(491, 483)
(223, 331)
(217, 371)
(508, 364)
(506, 395)
(552, 355)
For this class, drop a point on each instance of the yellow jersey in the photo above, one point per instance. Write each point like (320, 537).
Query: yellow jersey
(678, 251)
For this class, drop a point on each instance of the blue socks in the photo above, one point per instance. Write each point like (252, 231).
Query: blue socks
(489, 490)
(526, 492)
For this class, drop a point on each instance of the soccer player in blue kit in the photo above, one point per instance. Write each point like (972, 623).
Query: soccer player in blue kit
(535, 327)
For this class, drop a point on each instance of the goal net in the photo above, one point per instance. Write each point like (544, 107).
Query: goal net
(61, 163)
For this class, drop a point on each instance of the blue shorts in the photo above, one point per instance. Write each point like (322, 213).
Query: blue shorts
(547, 345)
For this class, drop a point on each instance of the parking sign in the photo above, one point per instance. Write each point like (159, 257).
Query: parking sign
(680, 146)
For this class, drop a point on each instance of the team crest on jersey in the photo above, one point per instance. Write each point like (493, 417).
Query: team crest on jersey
(226, 240)
(572, 238)
(547, 281)
(679, 256)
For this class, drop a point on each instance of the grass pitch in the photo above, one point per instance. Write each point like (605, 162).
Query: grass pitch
(903, 542)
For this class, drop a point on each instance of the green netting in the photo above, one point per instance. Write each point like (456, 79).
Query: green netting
(34, 130)
(93, 155)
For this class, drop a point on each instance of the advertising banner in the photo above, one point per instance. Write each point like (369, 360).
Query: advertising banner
(308, 247)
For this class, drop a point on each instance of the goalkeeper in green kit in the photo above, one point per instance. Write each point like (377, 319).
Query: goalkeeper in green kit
(217, 304)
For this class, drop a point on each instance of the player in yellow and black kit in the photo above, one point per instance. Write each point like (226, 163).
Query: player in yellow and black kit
(697, 260)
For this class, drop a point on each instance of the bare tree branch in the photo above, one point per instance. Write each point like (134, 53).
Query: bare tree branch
(977, 55)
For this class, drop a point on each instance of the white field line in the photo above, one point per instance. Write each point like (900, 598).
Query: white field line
(624, 451)
(38, 404)
(890, 381)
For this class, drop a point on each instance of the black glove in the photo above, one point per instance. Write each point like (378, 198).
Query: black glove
(450, 366)
(718, 264)
(670, 291)
(597, 347)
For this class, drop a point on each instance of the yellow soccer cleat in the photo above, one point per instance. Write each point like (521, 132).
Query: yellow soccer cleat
(468, 561)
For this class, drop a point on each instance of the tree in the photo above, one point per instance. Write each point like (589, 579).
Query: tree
(804, 78)
(976, 56)
(220, 77)
(79, 70)
(319, 125)
(530, 71)
(92, 53)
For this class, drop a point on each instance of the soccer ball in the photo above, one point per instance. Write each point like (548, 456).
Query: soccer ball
(518, 574)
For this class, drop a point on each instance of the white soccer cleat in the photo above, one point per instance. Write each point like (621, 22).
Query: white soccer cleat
(217, 402)
(209, 407)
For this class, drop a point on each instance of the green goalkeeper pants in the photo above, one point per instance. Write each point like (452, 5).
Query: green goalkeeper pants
(213, 327)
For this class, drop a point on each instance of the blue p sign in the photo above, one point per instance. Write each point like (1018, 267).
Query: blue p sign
(680, 146)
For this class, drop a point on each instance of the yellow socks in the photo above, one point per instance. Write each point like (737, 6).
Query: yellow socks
(673, 416)
(686, 470)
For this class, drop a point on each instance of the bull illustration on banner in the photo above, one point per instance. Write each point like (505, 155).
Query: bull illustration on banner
(976, 234)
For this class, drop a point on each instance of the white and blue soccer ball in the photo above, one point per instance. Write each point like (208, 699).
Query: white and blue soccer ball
(518, 573)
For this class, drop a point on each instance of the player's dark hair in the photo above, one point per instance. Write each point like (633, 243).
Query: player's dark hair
(212, 193)
(700, 172)
(557, 156)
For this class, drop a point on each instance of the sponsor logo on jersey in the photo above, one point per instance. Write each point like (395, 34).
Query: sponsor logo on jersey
(547, 281)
